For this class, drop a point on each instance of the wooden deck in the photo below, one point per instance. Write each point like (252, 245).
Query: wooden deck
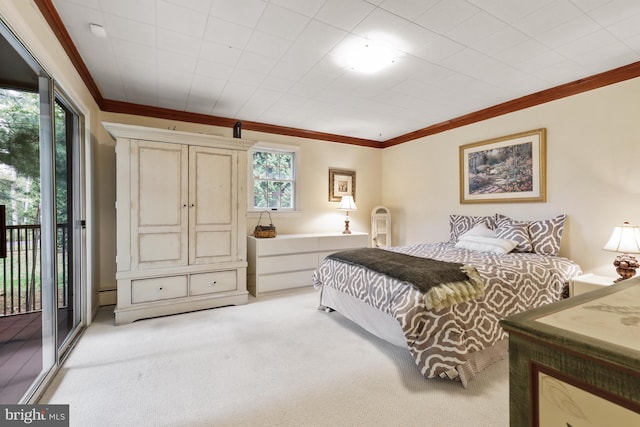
(20, 354)
(21, 350)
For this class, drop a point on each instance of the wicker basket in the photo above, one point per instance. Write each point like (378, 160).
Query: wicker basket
(265, 231)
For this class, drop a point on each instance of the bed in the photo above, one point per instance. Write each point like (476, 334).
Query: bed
(519, 268)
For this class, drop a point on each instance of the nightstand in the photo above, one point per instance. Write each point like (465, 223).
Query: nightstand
(589, 282)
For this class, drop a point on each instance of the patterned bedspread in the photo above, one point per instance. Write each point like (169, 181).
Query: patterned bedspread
(443, 340)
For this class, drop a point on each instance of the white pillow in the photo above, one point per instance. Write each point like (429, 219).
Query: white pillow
(486, 244)
(480, 230)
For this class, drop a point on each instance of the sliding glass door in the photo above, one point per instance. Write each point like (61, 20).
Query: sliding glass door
(41, 227)
(69, 224)
(21, 315)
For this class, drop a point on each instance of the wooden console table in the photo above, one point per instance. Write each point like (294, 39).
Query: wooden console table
(577, 362)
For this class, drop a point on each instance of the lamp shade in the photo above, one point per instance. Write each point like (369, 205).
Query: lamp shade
(347, 204)
(625, 238)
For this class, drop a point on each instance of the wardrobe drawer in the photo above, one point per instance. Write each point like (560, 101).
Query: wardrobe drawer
(209, 283)
(158, 288)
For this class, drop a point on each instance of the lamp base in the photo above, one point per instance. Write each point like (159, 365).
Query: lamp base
(346, 227)
(625, 266)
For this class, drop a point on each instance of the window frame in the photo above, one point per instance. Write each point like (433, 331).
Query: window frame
(273, 147)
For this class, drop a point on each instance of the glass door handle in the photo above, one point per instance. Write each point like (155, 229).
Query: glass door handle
(3, 232)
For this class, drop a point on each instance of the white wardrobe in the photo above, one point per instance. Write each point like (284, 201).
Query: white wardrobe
(181, 221)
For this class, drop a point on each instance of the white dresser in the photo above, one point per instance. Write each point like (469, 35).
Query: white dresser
(288, 261)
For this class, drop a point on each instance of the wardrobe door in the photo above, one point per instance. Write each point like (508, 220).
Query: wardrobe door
(213, 205)
(159, 210)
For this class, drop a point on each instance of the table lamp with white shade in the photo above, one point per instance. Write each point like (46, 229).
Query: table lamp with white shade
(347, 204)
(625, 239)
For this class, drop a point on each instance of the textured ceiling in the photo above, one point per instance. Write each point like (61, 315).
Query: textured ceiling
(275, 61)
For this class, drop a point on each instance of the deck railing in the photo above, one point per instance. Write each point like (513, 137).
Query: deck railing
(21, 290)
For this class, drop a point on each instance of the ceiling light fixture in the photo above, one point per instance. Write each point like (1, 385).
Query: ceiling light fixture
(98, 30)
(369, 55)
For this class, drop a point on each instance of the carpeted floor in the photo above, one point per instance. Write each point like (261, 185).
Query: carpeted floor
(274, 362)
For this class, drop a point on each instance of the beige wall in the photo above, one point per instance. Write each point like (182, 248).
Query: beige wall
(593, 154)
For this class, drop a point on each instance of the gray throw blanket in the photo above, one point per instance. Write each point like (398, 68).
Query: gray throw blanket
(443, 283)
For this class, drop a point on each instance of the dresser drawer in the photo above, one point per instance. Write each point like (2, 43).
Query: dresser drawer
(209, 283)
(339, 243)
(285, 245)
(158, 288)
(283, 263)
(276, 282)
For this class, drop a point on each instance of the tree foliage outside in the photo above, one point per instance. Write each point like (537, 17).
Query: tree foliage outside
(20, 157)
(273, 179)
(20, 193)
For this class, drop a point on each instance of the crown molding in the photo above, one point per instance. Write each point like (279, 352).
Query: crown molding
(50, 14)
(586, 84)
(183, 116)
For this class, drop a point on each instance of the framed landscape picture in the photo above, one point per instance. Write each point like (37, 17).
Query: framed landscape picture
(507, 169)
(341, 183)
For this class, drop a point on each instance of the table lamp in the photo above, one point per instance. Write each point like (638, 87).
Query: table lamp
(347, 204)
(625, 239)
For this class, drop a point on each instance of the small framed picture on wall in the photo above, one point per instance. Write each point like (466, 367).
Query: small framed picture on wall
(341, 183)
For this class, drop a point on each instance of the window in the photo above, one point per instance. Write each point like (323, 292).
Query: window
(274, 178)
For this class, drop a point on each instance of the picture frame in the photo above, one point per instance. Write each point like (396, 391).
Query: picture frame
(507, 169)
(341, 183)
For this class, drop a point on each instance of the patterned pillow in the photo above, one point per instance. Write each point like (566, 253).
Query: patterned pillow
(547, 234)
(517, 231)
(460, 224)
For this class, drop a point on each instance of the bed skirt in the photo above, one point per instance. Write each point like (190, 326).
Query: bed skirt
(387, 328)
(362, 314)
